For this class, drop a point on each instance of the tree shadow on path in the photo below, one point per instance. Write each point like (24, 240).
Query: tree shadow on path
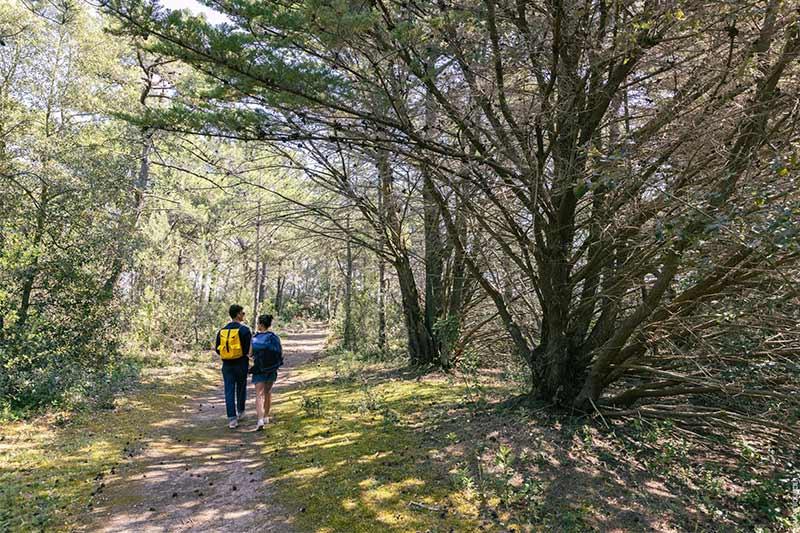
(192, 473)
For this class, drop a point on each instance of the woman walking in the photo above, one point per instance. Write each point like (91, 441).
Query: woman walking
(267, 358)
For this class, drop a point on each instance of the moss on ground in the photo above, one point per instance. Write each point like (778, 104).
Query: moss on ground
(345, 457)
(359, 447)
(52, 466)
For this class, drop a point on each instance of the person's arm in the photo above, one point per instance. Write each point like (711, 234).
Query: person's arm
(245, 337)
(216, 344)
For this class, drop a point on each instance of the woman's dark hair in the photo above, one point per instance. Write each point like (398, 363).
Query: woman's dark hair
(265, 320)
(234, 310)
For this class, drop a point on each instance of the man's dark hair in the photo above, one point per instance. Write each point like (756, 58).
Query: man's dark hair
(265, 320)
(234, 310)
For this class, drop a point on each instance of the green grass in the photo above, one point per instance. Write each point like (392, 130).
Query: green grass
(345, 457)
(50, 466)
(361, 447)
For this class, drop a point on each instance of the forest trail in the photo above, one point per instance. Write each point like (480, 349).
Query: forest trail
(192, 473)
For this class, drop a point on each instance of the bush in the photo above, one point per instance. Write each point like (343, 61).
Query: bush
(62, 365)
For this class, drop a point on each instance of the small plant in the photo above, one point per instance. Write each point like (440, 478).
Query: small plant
(469, 370)
(531, 496)
(390, 417)
(712, 484)
(774, 499)
(370, 402)
(312, 405)
(573, 519)
(462, 477)
(540, 459)
(586, 435)
(504, 460)
(504, 457)
(748, 453)
(346, 366)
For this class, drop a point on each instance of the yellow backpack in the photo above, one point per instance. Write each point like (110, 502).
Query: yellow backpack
(230, 347)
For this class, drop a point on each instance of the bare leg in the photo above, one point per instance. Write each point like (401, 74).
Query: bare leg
(267, 397)
(260, 393)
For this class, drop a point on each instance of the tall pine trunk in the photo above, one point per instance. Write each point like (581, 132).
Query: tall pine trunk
(422, 347)
(381, 276)
(31, 271)
(348, 341)
(257, 270)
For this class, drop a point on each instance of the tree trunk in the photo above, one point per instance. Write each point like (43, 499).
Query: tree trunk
(434, 246)
(433, 260)
(422, 347)
(381, 304)
(262, 287)
(30, 272)
(381, 275)
(348, 340)
(279, 284)
(257, 281)
(141, 184)
(421, 344)
(206, 297)
(454, 299)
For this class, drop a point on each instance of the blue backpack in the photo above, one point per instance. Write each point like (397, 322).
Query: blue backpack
(267, 353)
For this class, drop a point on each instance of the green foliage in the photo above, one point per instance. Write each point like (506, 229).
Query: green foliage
(463, 479)
(312, 405)
(65, 365)
(469, 369)
(364, 317)
(64, 205)
(767, 498)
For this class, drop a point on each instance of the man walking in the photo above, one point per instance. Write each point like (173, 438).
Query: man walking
(233, 346)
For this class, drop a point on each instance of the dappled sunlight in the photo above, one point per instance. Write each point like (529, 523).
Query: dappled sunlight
(349, 504)
(400, 454)
(376, 491)
(69, 468)
(308, 473)
(348, 457)
(331, 441)
(373, 457)
(415, 470)
(205, 475)
(368, 483)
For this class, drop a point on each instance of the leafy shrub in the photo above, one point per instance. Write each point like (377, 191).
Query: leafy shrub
(312, 405)
(62, 364)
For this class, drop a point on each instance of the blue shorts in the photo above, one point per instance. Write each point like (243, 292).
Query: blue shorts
(269, 377)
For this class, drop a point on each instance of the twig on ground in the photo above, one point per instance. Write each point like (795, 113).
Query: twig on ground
(417, 505)
(599, 413)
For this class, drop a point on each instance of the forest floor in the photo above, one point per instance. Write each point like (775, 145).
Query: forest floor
(193, 473)
(359, 445)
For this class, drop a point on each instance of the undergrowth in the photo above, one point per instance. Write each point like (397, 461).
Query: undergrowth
(50, 465)
(346, 457)
(364, 443)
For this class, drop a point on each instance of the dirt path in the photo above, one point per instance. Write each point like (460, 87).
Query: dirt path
(192, 473)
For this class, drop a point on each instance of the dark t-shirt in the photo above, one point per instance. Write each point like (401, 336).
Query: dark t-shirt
(244, 338)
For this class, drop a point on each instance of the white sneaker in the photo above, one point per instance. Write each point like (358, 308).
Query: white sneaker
(233, 424)
(260, 425)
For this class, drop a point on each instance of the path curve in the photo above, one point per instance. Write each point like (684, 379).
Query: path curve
(192, 473)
